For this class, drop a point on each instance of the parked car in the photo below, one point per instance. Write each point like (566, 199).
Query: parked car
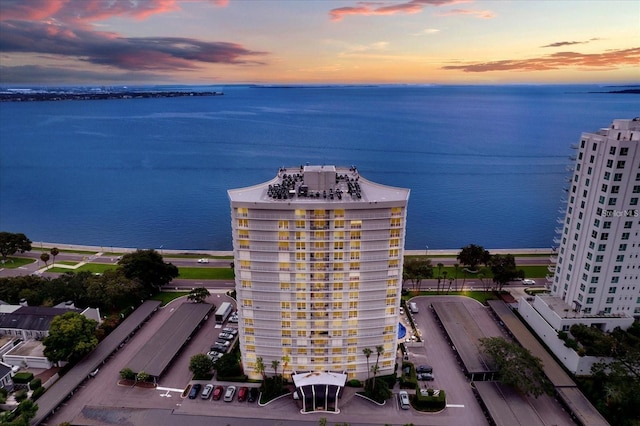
(223, 342)
(220, 349)
(203, 260)
(425, 376)
(195, 391)
(242, 393)
(528, 282)
(234, 317)
(217, 392)
(206, 392)
(228, 395)
(424, 369)
(403, 397)
(230, 330)
(253, 394)
(227, 336)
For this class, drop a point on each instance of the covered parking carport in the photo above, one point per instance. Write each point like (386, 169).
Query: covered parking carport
(67, 384)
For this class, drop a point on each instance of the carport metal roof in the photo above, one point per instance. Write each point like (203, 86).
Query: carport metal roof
(155, 356)
(464, 333)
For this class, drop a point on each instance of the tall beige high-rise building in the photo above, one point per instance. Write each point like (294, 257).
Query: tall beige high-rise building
(318, 259)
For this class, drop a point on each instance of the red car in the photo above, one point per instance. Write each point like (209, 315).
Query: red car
(242, 393)
(217, 393)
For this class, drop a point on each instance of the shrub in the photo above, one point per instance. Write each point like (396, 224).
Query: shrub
(127, 374)
(430, 402)
(35, 384)
(37, 393)
(23, 377)
(354, 383)
(21, 395)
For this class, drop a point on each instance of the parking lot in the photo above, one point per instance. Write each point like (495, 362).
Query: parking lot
(103, 401)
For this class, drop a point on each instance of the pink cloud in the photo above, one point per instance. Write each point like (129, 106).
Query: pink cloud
(78, 11)
(386, 8)
(483, 14)
(593, 61)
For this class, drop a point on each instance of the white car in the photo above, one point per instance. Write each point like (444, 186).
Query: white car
(528, 282)
(203, 260)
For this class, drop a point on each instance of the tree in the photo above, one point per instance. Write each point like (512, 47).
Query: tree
(473, 255)
(45, 258)
(200, 365)
(28, 410)
(112, 290)
(148, 267)
(367, 353)
(503, 268)
(127, 374)
(516, 366)
(260, 367)
(275, 364)
(456, 266)
(11, 243)
(71, 336)
(285, 362)
(416, 269)
(440, 266)
(198, 295)
(54, 252)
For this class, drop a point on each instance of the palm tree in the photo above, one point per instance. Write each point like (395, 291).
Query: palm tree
(275, 364)
(367, 353)
(285, 362)
(444, 280)
(379, 351)
(374, 369)
(455, 268)
(260, 367)
(54, 253)
(440, 266)
(45, 258)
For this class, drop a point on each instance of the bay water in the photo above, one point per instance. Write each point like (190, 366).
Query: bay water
(485, 164)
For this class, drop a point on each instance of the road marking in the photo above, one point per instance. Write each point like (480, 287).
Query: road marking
(455, 405)
(160, 388)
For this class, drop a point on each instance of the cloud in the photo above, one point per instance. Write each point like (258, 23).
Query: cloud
(427, 31)
(569, 43)
(127, 53)
(594, 62)
(86, 11)
(388, 8)
(482, 14)
(36, 75)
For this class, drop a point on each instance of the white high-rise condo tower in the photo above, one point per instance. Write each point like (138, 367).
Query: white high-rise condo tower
(318, 264)
(598, 269)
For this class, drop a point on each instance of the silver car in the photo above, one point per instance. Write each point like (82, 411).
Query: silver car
(228, 395)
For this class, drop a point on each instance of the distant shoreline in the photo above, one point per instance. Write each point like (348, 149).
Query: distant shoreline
(28, 96)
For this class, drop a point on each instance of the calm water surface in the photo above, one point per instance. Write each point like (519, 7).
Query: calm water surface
(485, 165)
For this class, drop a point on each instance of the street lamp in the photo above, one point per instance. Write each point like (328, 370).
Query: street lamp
(427, 251)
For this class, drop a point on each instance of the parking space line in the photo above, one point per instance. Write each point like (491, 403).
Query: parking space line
(455, 405)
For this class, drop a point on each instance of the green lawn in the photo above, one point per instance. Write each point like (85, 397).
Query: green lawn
(16, 262)
(530, 271)
(167, 296)
(206, 273)
(480, 296)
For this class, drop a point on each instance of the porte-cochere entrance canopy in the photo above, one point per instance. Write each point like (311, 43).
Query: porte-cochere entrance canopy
(319, 391)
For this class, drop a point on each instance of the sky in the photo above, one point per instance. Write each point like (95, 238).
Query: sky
(209, 42)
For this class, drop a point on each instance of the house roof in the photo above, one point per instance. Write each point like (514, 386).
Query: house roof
(31, 317)
(4, 369)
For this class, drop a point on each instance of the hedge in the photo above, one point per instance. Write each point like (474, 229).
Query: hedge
(35, 384)
(430, 403)
(23, 377)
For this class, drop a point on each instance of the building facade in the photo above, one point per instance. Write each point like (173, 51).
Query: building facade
(597, 274)
(318, 264)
